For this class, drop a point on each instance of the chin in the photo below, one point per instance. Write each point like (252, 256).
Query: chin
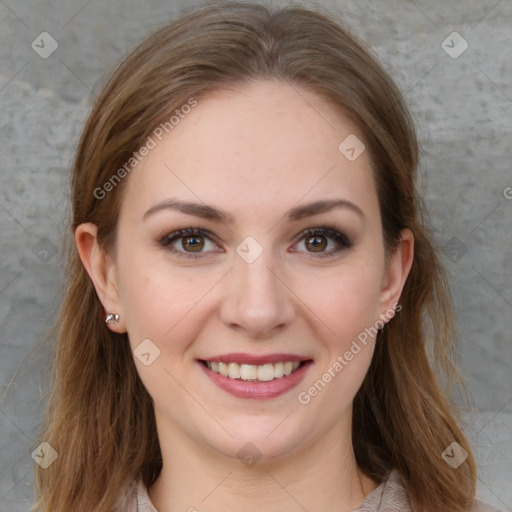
(271, 438)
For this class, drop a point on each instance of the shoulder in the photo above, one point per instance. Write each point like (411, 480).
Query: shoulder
(480, 506)
(135, 498)
(391, 495)
(127, 502)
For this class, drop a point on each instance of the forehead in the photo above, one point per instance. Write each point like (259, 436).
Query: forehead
(266, 143)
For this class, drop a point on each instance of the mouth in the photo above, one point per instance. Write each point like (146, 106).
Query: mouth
(252, 372)
(261, 380)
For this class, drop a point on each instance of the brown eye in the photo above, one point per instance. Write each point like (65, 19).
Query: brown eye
(316, 243)
(323, 242)
(192, 243)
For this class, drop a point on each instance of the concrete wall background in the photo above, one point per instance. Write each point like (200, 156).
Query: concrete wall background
(463, 109)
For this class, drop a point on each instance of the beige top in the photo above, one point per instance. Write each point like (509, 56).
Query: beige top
(389, 496)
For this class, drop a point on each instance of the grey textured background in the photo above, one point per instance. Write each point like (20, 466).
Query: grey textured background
(463, 110)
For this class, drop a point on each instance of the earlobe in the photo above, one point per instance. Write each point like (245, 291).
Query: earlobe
(101, 270)
(398, 268)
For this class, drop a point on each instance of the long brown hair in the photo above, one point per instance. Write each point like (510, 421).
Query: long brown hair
(100, 417)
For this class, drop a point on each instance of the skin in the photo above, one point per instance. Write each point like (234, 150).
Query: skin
(254, 152)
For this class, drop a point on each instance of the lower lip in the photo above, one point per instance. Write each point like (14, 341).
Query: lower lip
(257, 390)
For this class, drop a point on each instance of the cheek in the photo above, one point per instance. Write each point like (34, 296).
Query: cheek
(158, 303)
(162, 307)
(346, 300)
(346, 304)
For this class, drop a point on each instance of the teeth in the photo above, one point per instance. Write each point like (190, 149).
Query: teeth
(248, 372)
(263, 372)
(223, 369)
(266, 372)
(279, 370)
(233, 371)
(288, 368)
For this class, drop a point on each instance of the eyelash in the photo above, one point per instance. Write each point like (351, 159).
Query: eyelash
(328, 231)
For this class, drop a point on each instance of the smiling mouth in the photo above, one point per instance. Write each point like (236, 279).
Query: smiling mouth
(255, 373)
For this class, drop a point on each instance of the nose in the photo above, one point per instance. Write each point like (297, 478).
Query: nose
(256, 299)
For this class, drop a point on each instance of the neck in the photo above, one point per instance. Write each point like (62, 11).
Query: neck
(323, 476)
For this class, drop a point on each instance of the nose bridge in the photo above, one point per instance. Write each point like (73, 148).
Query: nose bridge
(256, 299)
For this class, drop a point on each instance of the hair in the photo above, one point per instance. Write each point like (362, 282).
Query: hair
(100, 418)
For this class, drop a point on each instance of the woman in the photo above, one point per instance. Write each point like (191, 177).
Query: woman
(252, 292)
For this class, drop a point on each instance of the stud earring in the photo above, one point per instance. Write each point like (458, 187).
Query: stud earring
(112, 318)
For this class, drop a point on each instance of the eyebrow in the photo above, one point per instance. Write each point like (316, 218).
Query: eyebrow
(215, 214)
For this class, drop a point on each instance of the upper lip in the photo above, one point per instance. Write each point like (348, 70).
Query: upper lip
(240, 358)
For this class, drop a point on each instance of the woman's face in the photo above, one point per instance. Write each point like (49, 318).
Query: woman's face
(253, 169)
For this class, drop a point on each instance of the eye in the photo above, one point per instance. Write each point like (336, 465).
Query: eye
(189, 242)
(323, 241)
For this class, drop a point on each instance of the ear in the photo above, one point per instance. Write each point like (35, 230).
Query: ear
(102, 272)
(397, 269)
